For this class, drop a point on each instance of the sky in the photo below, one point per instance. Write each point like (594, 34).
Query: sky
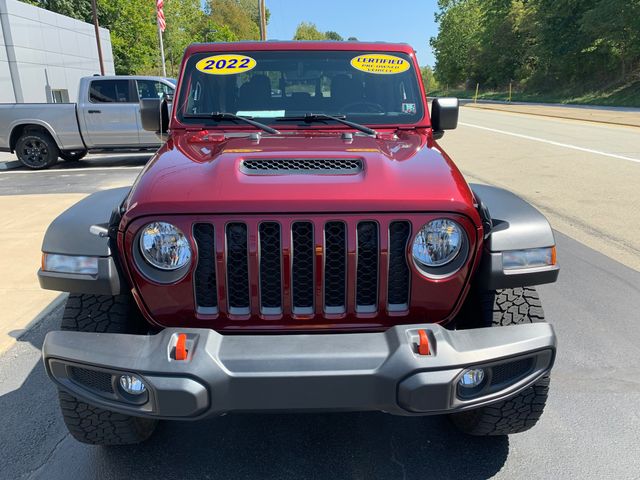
(408, 21)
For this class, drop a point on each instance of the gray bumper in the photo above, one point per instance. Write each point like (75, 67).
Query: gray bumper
(339, 372)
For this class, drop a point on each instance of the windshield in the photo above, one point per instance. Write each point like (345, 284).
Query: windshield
(367, 88)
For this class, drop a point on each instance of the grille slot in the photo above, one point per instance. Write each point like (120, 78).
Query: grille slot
(237, 268)
(93, 379)
(335, 267)
(367, 271)
(309, 166)
(512, 371)
(399, 273)
(302, 284)
(270, 268)
(205, 275)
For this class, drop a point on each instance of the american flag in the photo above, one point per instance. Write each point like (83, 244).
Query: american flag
(161, 21)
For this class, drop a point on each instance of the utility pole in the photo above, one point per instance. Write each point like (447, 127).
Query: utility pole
(97, 29)
(262, 12)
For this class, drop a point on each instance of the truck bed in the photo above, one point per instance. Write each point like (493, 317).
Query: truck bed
(60, 119)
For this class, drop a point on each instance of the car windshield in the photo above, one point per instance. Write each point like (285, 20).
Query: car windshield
(271, 86)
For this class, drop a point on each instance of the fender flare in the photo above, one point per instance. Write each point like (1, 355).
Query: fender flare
(513, 224)
(69, 234)
(34, 122)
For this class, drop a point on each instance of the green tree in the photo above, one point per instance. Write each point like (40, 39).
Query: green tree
(134, 37)
(331, 35)
(429, 79)
(235, 15)
(79, 9)
(457, 44)
(188, 23)
(308, 31)
(614, 28)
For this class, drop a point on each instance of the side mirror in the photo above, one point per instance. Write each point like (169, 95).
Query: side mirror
(154, 115)
(444, 115)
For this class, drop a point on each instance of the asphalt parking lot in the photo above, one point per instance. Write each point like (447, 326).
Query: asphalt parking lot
(590, 428)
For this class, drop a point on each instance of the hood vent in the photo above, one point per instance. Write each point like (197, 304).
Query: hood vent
(301, 166)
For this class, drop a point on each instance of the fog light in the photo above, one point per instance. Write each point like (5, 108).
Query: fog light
(472, 378)
(132, 385)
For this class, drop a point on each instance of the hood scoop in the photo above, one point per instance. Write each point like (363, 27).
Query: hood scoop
(301, 166)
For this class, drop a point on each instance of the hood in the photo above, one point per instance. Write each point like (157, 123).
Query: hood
(202, 172)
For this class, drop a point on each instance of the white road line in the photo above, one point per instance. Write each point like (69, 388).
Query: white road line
(64, 170)
(551, 142)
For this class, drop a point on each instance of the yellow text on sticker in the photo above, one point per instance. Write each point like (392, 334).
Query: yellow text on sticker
(380, 63)
(228, 64)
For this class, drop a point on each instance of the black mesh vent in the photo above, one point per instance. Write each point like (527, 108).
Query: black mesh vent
(270, 266)
(280, 166)
(302, 266)
(512, 371)
(367, 274)
(237, 266)
(398, 281)
(205, 275)
(93, 379)
(335, 267)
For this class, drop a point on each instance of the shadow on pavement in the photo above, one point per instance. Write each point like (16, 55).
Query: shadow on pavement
(35, 443)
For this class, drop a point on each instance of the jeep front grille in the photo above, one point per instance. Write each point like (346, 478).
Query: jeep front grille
(302, 267)
(309, 166)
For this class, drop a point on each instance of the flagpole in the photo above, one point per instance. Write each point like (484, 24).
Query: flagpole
(164, 67)
(161, 23)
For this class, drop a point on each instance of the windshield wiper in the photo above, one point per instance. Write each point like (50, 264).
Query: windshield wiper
(217, 116)
(321, 117)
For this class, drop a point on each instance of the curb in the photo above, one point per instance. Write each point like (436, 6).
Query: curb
(10, 165)
(547, 115)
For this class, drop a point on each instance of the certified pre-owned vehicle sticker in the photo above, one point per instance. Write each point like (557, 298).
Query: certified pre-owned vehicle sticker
(227, 64)
(380, 63)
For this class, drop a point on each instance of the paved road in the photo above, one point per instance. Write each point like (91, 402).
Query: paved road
(95, 172)
(583, 176)
(591, 426)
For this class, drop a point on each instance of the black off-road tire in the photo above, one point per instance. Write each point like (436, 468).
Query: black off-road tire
(36, 150)
(72, 155)
(87, 423)
(500, 308)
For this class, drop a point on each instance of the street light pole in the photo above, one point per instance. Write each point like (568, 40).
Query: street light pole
(97, 29)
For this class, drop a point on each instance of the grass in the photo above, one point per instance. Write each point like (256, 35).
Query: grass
(625, 95)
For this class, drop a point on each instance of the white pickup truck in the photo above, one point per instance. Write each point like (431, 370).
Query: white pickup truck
(106, 118)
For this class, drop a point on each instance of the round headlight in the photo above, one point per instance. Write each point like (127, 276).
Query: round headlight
(164, 246)
(437, 243)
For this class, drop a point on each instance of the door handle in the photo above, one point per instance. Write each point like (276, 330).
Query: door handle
(95, 111)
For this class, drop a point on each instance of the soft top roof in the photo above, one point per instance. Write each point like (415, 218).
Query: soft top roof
(299, 45)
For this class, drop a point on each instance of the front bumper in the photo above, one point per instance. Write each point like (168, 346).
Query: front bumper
(330, 372)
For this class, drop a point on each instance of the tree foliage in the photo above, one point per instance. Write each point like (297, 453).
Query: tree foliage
(543, 44)
(309, 31)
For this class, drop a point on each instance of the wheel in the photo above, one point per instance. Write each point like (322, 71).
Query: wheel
(513, 306)
(36, 150)
(87, 423)
(72, 155)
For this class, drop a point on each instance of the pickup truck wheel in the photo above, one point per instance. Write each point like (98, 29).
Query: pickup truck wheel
(72, 156)
(512, 306)
(87, 423)
(36, 150)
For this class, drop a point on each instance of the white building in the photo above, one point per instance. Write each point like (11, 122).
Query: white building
(43, 54)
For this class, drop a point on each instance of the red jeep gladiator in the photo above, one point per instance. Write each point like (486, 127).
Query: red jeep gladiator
(300, 243)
